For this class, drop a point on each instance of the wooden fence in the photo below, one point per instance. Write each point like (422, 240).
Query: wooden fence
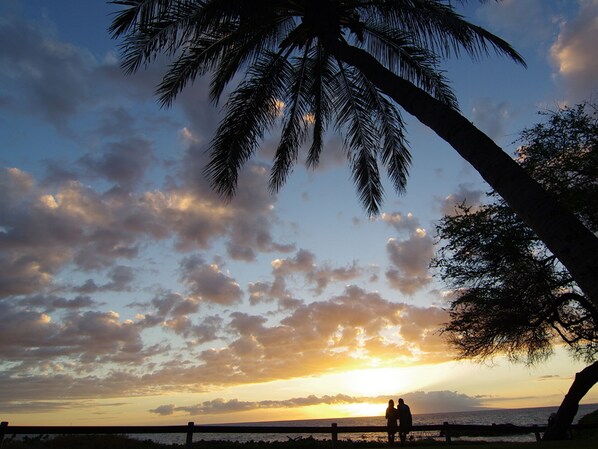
(446, 430)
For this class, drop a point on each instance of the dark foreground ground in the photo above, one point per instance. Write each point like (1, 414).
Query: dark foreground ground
(122, 442)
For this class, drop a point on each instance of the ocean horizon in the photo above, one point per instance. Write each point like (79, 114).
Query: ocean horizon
(517, 416)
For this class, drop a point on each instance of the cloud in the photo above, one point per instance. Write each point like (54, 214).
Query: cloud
(550, 377)
(45, 229)
(174, 304)
(401, 222)
(52, 406)
(441, 402)
(572, 50)
(174, 312)
(321, 337)
(51, 303)
(420, 402)
(120, 279)
(420, 325)
(164, 410)
(410, 259)
(247, 218)
(123, 162)
(319, 277)
(87, 337)
(221, 406)
(465, 194)
(43, 74)
(206, 282)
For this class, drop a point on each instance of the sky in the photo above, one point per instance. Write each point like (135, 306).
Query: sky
(130, 293)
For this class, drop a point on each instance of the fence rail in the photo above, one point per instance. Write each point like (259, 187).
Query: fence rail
(446, 430)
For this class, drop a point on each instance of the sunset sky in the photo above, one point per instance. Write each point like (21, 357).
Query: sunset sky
(131, 294)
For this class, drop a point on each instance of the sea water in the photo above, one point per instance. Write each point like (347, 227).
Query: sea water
(518, 417)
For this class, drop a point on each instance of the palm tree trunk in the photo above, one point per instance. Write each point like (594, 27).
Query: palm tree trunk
(584, 380)
(564, 235)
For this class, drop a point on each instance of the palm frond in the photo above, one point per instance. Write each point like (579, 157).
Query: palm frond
(153, 27)
(396, 51)
(437, 26)
(289, 50)
(244, 45)
(193, 61)
(395, 154)
(295, 124)
(352, 114)
(251, 110)
(367, 180)
(322, 75)
(136, 14)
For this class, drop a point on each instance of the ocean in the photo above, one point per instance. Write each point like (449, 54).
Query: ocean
(518, 417)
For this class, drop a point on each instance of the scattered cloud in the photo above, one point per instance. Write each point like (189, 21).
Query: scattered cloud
(315, 338)
(207, 282)
(410, 259)
(124, 162)
(465, 195)
(420, 402)
(401, 222)
(570, 53)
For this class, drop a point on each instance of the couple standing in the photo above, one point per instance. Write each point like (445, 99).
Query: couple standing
(403, 414)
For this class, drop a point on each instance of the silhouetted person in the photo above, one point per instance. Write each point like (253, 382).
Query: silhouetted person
(391, 421)
(405, 420)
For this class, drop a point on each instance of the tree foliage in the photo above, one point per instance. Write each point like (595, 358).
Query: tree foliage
(511, 295)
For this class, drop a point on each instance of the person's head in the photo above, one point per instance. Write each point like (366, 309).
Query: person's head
(391, 403)
(401, 402)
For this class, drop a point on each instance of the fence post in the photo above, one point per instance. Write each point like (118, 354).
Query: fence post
(190, 425)
(447, 432)
(537, 433)
(334, 435)
(3, 426)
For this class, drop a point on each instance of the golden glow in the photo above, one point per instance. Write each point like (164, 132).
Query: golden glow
(188, 203)
(181, 202)
(279, 105)
(569, 62)
(187, 135)
(49, 201)
(310, 118)
(365, 409)
(374, 382)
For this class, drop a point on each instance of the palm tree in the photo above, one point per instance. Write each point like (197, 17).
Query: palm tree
(345, 63)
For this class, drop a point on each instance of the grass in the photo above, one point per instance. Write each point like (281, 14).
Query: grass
(124, 442)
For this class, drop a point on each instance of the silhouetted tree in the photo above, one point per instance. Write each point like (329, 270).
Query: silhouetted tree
(340, 63)
(511, 295)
